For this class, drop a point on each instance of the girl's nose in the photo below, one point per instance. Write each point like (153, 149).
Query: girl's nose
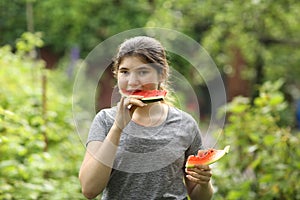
(133, 79)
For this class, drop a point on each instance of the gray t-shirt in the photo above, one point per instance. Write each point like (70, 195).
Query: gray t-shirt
(149, 163)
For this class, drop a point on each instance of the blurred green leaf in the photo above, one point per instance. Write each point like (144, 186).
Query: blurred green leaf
(264, 159)
(32, 164)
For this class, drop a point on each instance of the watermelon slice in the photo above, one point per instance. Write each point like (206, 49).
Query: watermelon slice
(206, 157)
(149, 95)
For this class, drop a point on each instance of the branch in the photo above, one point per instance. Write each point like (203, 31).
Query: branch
(270, 41)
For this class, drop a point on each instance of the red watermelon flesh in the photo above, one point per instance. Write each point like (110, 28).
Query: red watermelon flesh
(149, 95)
(206, 157)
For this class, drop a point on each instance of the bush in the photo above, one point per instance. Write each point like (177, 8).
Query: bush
(264, 159)
(40, 151)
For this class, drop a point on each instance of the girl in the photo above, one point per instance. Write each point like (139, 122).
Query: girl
(138, 150)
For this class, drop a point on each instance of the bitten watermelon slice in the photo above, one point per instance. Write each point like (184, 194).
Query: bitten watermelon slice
(149, 95)
(206, 157)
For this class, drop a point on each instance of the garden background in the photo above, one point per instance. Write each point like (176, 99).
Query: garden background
(254, 43)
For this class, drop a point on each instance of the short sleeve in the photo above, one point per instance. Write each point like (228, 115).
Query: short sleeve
(98, 129)
(196, 143)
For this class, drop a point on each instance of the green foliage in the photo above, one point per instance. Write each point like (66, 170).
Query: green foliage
(12, 21)
(28, 42)
(81, 23)
(264, 159)
(40, 151)
(264, 32)
(257, 33)
(87, 23)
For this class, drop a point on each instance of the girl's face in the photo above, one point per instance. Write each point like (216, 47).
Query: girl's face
(135, 75)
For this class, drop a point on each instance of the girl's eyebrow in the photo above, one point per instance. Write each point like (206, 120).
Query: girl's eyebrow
(143, 68)
(123, 68)
(136, 68)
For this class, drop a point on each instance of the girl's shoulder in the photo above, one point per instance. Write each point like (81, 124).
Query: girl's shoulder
(107, 113)
(183, 115)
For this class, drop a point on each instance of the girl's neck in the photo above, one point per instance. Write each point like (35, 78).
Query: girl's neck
(153, 114)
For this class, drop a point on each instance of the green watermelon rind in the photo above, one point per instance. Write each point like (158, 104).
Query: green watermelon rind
(215, 159)
(152, 99)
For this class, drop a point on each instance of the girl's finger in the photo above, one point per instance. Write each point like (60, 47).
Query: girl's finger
(202, 172)
(203, 167)
(199, 176)
(133, 101)
(196, 180)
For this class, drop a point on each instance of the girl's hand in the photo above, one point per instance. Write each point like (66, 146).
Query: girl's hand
(126, 107)
(199, 174)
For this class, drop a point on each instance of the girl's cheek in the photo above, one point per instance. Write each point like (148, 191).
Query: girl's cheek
(121, 85)
(121, 81)
(150, 86)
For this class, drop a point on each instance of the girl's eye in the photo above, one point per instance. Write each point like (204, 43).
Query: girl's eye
(144, 72)
(123, 72)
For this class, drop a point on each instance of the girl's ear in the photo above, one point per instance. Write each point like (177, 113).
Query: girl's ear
(161, 81)
(159, 86)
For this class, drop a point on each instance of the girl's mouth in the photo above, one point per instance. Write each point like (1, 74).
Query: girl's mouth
(130, 92)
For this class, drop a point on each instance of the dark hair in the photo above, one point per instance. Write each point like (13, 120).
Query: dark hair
(148, 49)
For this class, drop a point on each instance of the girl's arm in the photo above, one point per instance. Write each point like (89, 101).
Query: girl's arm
(198, 182)
(96, 168)
(97, 165)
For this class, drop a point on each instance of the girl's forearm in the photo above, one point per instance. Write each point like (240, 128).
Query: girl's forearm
(96, 168)
(204, 192)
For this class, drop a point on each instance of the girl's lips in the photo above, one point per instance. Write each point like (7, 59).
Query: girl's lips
(132, 91)
(129, 92)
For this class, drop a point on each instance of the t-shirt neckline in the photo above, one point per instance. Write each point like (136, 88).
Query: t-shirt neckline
(133, 123)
